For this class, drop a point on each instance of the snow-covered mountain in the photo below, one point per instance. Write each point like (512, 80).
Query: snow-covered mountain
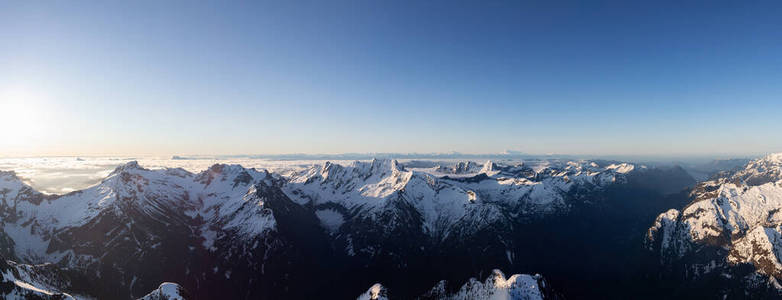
(371, 190)
(235, 232)
(222, 196)
(171, 217)
(414, 212)
(731, 230)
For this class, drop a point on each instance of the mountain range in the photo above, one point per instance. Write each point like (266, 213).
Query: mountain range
(405, 230)
(728, 237)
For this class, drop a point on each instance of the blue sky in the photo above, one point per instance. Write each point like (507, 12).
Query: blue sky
(582, 77)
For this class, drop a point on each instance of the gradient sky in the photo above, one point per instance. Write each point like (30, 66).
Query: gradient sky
(582, 77)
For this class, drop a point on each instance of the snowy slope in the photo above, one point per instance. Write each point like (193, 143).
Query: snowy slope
(19, 281)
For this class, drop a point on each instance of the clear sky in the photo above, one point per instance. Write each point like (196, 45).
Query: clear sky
(581, 77)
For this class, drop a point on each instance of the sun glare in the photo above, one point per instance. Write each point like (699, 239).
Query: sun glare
(20, 118)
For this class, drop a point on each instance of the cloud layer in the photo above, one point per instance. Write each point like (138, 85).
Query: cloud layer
(59, 175)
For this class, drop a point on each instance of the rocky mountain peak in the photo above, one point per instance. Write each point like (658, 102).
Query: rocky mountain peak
(8, 175)
(128, 166)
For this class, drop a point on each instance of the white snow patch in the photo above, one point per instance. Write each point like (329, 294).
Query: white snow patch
(622, 168)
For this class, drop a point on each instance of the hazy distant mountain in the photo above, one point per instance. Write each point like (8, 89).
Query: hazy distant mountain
(704, 171)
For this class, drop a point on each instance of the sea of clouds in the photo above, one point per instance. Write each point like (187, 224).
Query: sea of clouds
(59, 175)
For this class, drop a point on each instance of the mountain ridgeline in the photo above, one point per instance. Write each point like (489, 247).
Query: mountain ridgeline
(567, 229)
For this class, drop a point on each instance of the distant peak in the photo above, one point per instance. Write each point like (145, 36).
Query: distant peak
(131, 165)
(177, 157)
(226, 168)
(216, 168)
(488, 167)
(775, 158)
(329, 168)
(395, 166)
(8, 174)
(382, 164)
(622, 168)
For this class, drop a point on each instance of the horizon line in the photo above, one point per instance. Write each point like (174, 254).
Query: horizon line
(403, 155)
